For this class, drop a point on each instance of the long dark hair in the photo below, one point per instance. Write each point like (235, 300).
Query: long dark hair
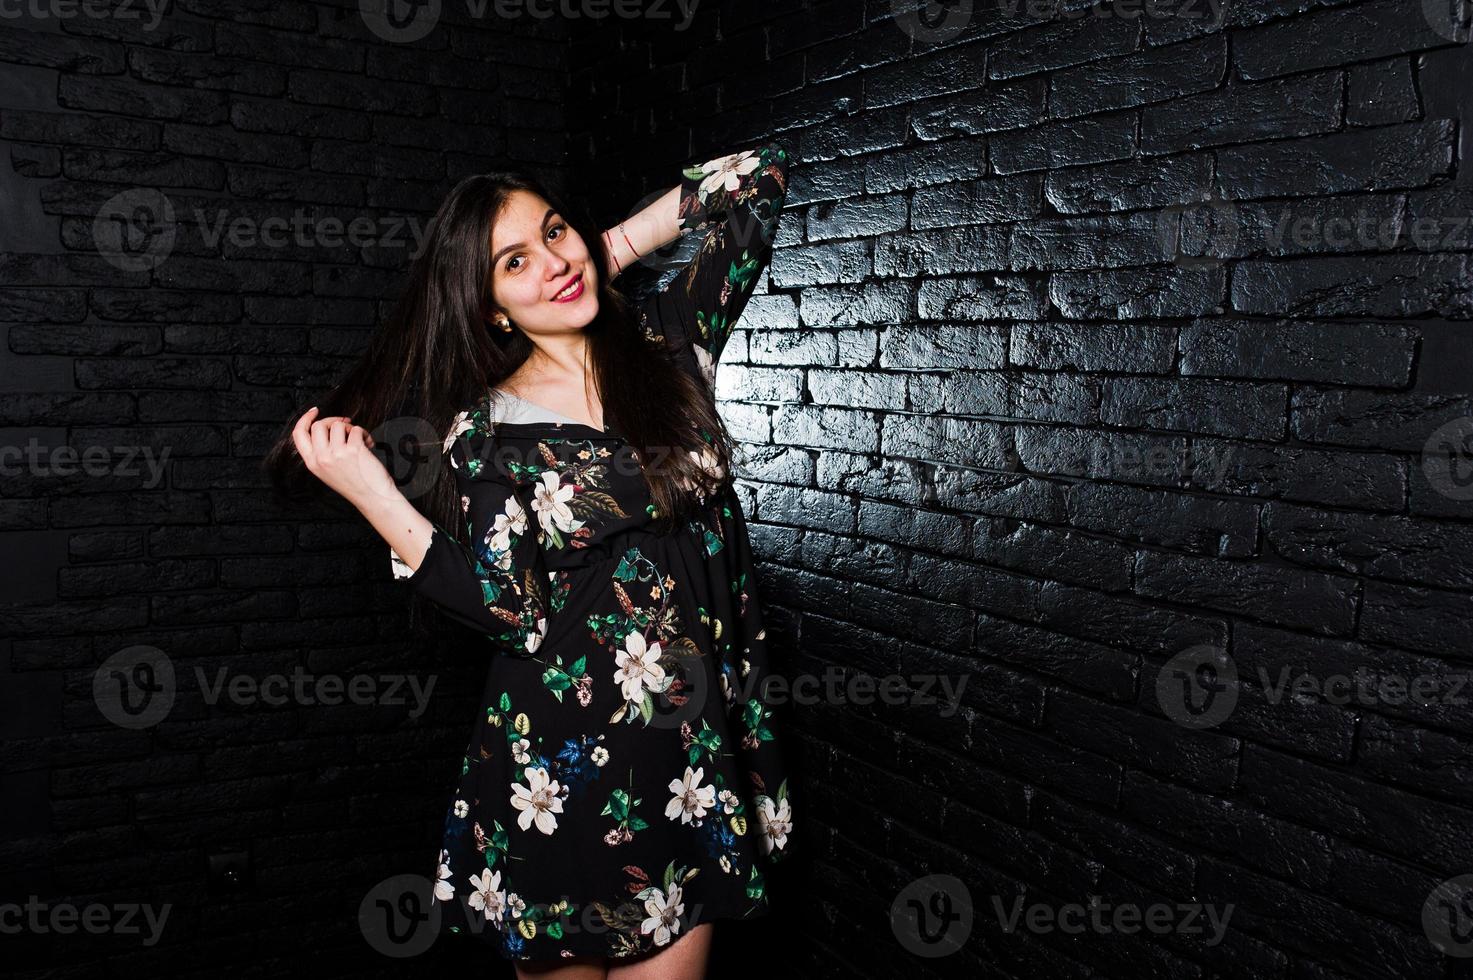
(435, 356)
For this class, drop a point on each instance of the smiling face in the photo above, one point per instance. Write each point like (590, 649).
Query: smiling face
(535, 255)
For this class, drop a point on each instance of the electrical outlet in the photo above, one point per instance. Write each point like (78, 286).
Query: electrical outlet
(229, 871)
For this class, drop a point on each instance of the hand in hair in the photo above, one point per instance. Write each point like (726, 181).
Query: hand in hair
(339, 454)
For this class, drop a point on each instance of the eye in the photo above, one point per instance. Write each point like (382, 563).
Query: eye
(560, 226)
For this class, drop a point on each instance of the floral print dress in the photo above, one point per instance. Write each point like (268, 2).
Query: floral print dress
(622, 783)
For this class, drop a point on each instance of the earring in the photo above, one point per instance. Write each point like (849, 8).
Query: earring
(503, 322)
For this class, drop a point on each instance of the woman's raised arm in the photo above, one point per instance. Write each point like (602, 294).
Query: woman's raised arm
(736, 200)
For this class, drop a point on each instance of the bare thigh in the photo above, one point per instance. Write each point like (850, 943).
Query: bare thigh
(569, 968)
(684, 959)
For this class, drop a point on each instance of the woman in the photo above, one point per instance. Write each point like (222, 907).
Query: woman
(621, 789)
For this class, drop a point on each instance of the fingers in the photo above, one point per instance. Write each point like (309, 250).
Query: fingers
(328, 433)
(302, 436)
(319, 437)
(316, 438)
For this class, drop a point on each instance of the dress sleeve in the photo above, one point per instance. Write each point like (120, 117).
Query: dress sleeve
(499, 585)
(736, 201)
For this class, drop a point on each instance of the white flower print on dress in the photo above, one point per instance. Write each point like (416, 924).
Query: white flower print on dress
(444, 891)
(663, 912)
(538, 801)
(535, 636)
(519, 752)
(462, 808)
(512, 521)
(639, 669)
(550, 501)
(461, 423)
(775, 823)
(691, 800)
(488, 896)
(727, 171)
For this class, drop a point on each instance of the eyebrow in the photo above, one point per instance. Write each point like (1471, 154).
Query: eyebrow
(511, 248)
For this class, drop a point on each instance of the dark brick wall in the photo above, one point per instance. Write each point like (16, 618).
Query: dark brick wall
(1091, 344)
(1095, 348)
(175, 365)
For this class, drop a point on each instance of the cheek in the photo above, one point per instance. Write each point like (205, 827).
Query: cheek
(521, 290)
(573, 249)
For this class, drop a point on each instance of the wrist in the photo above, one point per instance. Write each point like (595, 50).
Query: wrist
(376, 504)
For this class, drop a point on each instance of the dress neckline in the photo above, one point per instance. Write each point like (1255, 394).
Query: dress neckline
(557, 420)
